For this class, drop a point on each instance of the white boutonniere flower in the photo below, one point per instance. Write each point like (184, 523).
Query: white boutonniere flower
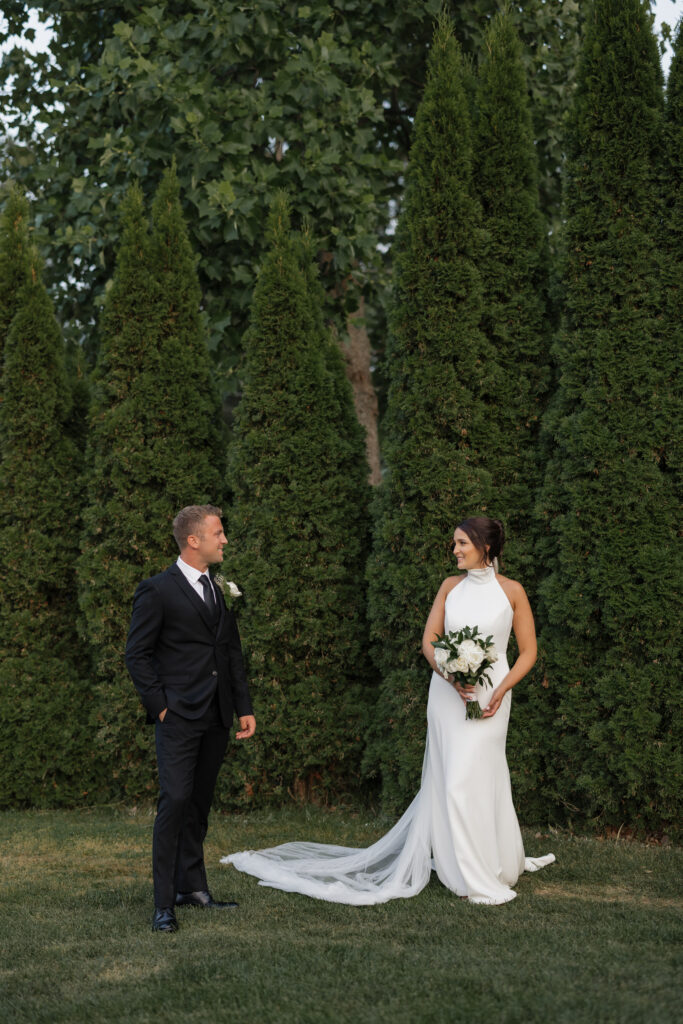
(229, 589)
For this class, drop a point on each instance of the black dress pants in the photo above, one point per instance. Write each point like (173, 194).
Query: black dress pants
(189, 755)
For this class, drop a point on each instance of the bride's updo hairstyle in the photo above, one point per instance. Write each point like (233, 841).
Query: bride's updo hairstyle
(484, 533)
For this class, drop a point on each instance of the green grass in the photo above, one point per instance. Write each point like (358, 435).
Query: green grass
(592, 938)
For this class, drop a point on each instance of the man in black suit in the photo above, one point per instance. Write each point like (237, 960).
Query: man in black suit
(185, 658)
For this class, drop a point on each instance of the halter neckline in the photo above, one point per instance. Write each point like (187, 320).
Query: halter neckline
(485, 575)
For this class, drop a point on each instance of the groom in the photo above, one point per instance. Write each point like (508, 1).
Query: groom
(185, 658)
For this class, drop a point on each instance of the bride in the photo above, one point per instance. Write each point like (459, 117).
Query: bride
(462, 823)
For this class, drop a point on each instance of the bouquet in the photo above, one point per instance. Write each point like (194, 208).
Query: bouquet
(465, 656)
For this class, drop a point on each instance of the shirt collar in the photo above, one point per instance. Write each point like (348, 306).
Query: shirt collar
(189, 572)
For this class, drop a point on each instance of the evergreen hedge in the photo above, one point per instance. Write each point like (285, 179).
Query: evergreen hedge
(672, 461)
(513, 265)
(154, 446)
(14, 243)
(44, 697)
(298, 538)
(610, 639)
(440, 368)
(514, 269)
(672, 239)
(468, 380)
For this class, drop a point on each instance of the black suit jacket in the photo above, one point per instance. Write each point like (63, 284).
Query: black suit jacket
(178, 658)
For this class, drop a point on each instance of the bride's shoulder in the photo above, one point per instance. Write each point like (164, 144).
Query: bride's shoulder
(450, 582)
(513, 589)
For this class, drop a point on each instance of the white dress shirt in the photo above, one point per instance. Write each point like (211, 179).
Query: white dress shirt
(192, 576)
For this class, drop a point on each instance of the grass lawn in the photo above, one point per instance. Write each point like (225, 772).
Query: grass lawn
(591, 938)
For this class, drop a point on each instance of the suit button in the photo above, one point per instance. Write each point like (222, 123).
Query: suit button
(214, 673)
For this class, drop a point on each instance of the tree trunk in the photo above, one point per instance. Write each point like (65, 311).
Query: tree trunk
(358, 355)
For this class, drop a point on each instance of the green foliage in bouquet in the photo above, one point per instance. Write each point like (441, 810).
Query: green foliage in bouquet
(439, 365)
(464, 655)
(44, 696)
(608, 507)
(298, 538)
(154, 446)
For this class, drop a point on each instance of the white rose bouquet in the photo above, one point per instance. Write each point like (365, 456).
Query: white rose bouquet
(229, 589)
(465, 656)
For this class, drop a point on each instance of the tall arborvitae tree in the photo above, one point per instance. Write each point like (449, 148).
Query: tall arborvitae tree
(154, 446)
(14, 244)
(514, 273)
(672, 223)
(610, 637)
(186, 373)
(12, 254)
(43, 694)
(439, 366)
(298, 542)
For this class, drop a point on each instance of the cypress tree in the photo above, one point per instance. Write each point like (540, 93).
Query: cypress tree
(674, 125)
(43, 695)
(672, 221)
(154, 446)
(297, 534)
(672, 224)
(14, 245)
(610, 639)
(439, 367)
(191, 448)
(514, 272)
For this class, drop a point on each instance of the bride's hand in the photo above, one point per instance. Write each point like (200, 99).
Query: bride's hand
(466, 692)
(494, 703)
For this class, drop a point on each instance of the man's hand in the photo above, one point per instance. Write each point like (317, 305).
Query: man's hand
(162, 714)
(247, 727)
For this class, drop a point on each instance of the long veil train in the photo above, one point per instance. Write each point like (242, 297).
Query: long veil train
(397, 866)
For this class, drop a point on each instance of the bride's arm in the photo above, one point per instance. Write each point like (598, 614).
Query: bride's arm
(525, 635)
(435, 628)
(435, 621)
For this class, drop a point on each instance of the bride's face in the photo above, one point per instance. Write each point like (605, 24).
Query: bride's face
(466, 554)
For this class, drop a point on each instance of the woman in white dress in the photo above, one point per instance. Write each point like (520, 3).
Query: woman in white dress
(462, 823)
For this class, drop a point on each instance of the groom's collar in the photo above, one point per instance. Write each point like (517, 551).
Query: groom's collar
(189, 572)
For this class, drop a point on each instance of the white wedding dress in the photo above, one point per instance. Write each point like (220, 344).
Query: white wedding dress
(462, 823)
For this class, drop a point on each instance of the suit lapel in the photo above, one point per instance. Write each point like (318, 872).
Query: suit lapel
(194, 598)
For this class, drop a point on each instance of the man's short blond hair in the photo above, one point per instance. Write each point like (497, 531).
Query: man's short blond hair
(189, 521)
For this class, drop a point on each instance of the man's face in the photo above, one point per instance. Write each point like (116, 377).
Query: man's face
(210, 540)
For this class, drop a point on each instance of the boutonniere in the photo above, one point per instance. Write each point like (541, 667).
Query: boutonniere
(229, 590)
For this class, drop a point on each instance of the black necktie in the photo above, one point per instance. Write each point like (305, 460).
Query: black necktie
(209, 599)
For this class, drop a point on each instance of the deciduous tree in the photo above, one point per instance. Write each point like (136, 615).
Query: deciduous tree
(244, 95)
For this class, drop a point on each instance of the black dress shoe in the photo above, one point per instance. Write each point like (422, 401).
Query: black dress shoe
(201, 899)
(164, 920)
